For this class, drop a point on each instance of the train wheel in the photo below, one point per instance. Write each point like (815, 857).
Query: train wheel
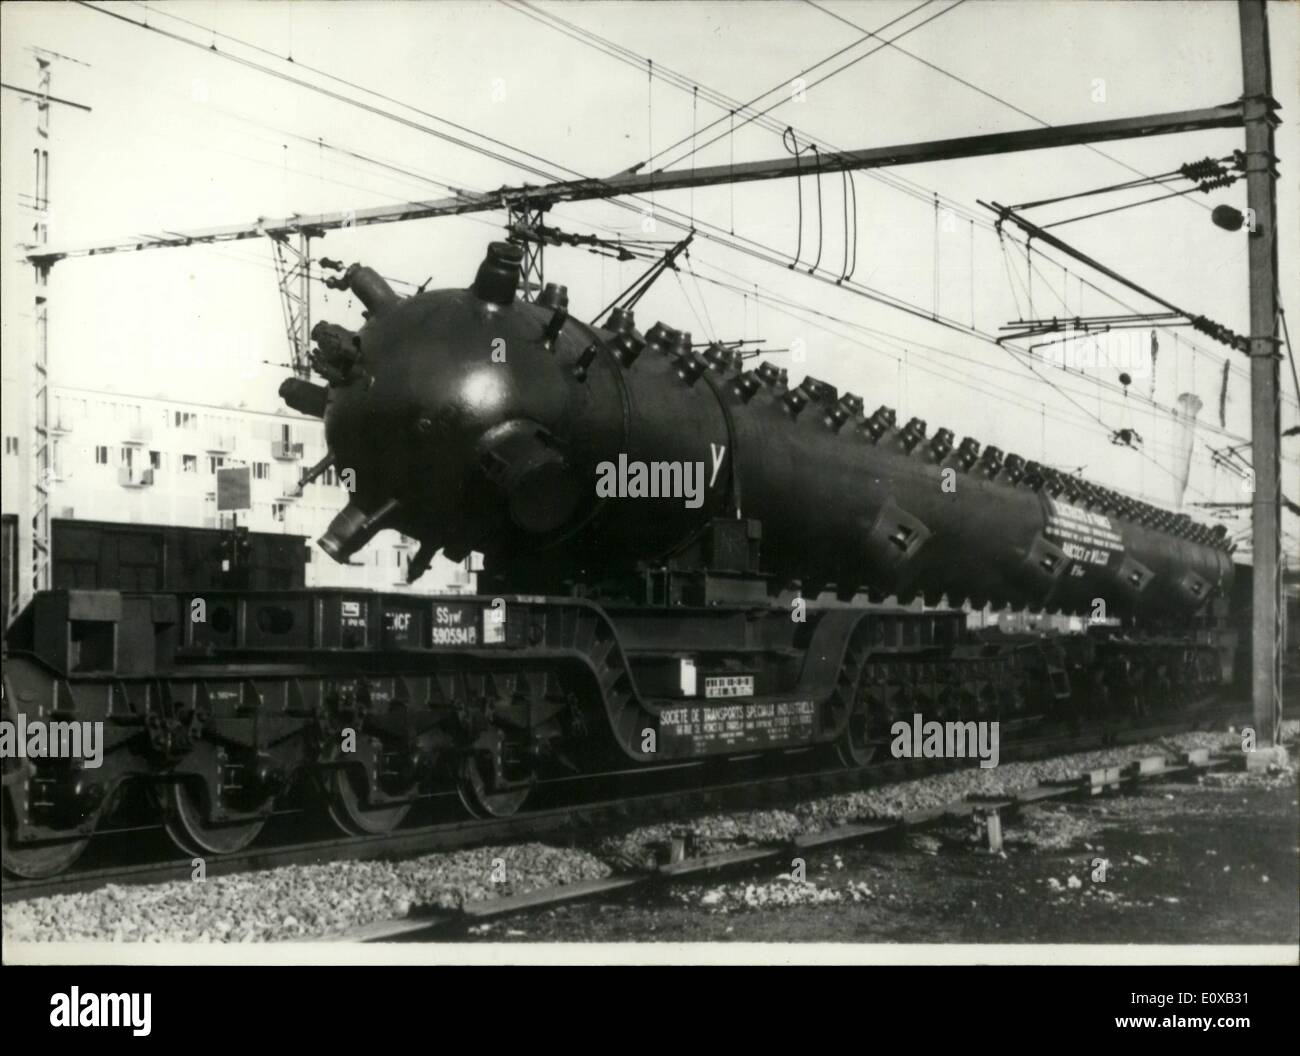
(345, 788)
(483, 802)
(852, 747)
(185, 822)
(36, 861)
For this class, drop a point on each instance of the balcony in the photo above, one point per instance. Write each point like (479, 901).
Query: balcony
(220, 443)
(286, 451)
(138, 434)
(134, 478)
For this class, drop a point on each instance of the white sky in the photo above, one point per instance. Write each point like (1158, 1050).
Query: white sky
(181, 138)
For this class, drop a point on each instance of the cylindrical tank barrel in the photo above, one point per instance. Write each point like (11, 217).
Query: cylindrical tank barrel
(548, 444)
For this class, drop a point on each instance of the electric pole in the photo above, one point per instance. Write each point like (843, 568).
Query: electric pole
(1265, 355)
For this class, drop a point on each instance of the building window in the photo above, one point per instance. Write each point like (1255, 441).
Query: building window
(215, 462)
(101, 455)
(185, 420)
(189, 463)
(277, 510)
(261, 470)
(155, 460)
(11, 445)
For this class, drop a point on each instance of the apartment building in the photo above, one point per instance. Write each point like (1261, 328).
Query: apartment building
(152, 461)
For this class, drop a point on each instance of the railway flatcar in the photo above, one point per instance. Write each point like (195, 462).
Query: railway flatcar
(682, 560)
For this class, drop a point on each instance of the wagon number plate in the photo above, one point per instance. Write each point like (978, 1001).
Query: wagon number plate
(456, 625)
(718, 686)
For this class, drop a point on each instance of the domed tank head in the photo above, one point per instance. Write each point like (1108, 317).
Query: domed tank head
(436, 373)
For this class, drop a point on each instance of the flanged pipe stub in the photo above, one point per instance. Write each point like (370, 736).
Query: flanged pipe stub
(498, 275)
(352, 528)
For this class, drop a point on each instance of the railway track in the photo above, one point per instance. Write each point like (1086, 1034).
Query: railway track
(447, 925)
(678, 802)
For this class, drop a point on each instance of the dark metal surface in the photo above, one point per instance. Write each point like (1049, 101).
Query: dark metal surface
(470, 426)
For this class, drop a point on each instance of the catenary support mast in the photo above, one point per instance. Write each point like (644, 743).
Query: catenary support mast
(1265, 356)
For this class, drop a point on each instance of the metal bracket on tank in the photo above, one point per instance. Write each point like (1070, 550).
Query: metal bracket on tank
(1133, 576)
(523, 459)
(1194, 588)
(1042, 568)
(892, 544)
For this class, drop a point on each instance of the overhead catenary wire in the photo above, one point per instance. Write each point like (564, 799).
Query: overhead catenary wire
(934, 259)
(784, 83)
(319, 141)
(1120, 208)
(1080, 280)
(942, 355)
(1220, 333)
(821, 224)
(337, 96)
(793, 148)
(982, 91)
(649, 66)
(1001, 395)
(905, 362)
(1290, 354)
(853, 213)
(1148, 401)
(885, 301)
(998, 99)
(418, 126)
(302, 66)
(844, 197)
(910, 309)
(726, 104)
(729, 106)
(747, 106)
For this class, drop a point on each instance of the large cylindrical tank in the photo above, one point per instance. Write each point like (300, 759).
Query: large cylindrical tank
(474, 421)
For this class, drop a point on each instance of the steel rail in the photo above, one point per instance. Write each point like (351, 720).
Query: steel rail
(676, 803)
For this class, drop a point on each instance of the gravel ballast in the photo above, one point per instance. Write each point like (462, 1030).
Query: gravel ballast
(722, 832)
(295, 902)
(309, 902)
